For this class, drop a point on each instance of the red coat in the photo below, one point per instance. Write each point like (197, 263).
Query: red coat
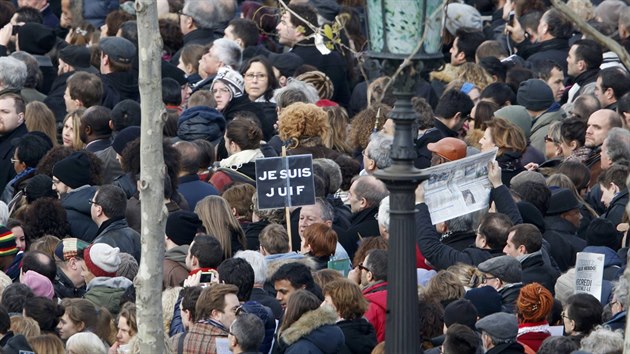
(376, 313)
(535, 334)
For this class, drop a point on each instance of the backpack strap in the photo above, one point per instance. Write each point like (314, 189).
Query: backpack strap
(180, 343)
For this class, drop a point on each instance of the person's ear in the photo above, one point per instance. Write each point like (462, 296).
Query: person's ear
(461, 56)
(363, 202)
(233, 341)
(111, 124)
(581, 65)
(615, 188)
(371, 165)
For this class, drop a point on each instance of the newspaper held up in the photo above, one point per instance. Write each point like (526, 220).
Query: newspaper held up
(459, 187)
(589, 272)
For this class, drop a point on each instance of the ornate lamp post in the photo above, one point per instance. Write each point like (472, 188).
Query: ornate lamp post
(396, 28)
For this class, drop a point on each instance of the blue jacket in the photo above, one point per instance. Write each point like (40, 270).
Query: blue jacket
(201, 122)
(612, 261)
(95, 11)
(194, 190)
(313, 333)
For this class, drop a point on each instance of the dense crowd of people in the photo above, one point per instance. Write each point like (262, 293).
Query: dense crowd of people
(241, 81)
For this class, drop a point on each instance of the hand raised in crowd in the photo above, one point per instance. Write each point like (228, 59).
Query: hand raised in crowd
(494, 174)
(532, 166)
(419, 194)
(5, 34)
(516, 31)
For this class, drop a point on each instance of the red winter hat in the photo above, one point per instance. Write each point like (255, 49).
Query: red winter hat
(102, 259)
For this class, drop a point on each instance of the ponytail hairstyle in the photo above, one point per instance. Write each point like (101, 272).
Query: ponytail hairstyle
(245, 133)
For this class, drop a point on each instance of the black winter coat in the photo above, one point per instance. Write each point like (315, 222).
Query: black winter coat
(364, 224)
(117, 233)
(563, 241)
(78, 212)
(536, 271)
(360, 336)
(201, 122)
(442, 256)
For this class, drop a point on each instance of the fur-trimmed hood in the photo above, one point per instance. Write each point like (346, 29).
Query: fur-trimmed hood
(308, 323)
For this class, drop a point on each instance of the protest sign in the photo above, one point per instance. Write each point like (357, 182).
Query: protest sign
(459, 187)
(589, 272)
(285, 181)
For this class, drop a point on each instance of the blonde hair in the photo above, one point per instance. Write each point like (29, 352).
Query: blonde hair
(86, 343)
(338, 120)
(475, 74)
(217, 219)
(47, 343)
(468, 275)
(45, 244)
(303, 120)
(25, 326)
(76, 127)
(584, 8)
(38, 117)
(444, 287)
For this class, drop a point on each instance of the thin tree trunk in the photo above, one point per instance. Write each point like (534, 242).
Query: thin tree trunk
(152, 170)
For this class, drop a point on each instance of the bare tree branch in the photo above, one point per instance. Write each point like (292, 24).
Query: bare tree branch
(589, 30)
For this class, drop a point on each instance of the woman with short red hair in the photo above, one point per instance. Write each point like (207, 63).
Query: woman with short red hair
(533, 305)
(319, 243)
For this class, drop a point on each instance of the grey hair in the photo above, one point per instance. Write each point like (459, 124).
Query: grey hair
(466, 222)
(328, 213)
(380, 149)
(295, 87)
(258, 263)
(33, 73)
(12, 73)
(603, 340)
(4, 213)
(618, 144)
(620, 290)
(332, 171)
(84, 343)
(228, 52)
(370, 188)
(212, 14)
(383, 213)
(249, 331)
(554, 132)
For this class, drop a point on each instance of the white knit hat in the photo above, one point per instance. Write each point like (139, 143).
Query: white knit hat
(232, 79)
(462, 16)
(102, 259)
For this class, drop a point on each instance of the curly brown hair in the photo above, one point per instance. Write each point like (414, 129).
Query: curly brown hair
(365, 122)
(303, 120)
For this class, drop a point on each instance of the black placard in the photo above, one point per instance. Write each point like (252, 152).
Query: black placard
(285, 181)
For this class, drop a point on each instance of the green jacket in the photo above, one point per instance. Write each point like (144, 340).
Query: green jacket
(106, 292)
